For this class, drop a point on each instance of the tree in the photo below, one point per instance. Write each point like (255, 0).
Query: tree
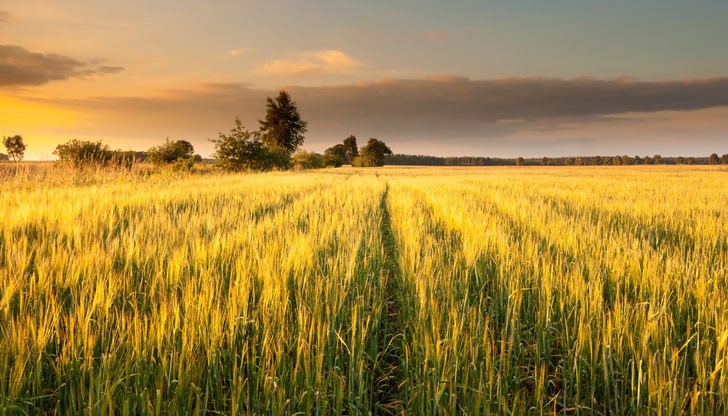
(82, 153)
(680, 160)
(724, 159)
(336, 155)
(350, 149)
(714, 159)
(3, 157)
(240, 150)
(15, 147)
(170, 151)
(520, 161)
(372, 154)
(544, 161)
(283, 127)
(657, 159)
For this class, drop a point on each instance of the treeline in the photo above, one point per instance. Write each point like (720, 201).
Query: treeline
(274, 146)
(423, 160)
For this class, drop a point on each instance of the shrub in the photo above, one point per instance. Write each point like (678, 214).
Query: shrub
(170, 151)
(82, 153)
(308, 160)
(372, 154)
(240, 150)
(336, 155)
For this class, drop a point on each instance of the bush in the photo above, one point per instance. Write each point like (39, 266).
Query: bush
(240, 150)
(308, 160)
(336, 155)
(171, 151)
(81, 153)
(125, 158)
(183, 165)
(275, 159)
(372, 154)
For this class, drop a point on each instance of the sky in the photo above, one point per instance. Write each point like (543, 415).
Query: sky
(499, 78)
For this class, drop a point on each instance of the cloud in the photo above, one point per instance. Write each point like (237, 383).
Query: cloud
(447, 115)
(456, 99)
(238, 51)
(6, 17)
(326, 61)
(21, 67)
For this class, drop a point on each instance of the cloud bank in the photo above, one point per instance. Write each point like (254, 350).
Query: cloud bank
(447, 115)
(21, 67)
(460, 99)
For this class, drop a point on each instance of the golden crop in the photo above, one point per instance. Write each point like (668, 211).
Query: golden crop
(395, 290)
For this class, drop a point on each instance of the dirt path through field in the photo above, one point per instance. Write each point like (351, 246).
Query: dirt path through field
(389, 374)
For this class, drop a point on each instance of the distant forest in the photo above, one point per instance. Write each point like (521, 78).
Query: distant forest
(422, 160)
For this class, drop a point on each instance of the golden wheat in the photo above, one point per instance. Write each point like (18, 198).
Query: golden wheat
(396, 290)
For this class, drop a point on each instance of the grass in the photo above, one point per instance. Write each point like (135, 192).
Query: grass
(380, 291)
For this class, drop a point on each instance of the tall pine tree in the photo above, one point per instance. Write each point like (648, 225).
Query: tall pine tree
(283, 127)
(351, 149)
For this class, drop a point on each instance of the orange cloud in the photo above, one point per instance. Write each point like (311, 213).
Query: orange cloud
(238, 51)
(326, 61)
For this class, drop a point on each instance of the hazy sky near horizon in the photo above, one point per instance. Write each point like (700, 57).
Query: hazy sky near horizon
(492, 78)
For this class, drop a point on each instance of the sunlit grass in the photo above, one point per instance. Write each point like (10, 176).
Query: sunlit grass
(418, 291)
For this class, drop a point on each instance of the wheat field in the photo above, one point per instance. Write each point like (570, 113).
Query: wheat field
(366, 291)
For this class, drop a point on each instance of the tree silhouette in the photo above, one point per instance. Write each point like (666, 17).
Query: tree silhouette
(283, 127)
(350, 148)
(336, 155)
(372, 154)
(15, 147)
